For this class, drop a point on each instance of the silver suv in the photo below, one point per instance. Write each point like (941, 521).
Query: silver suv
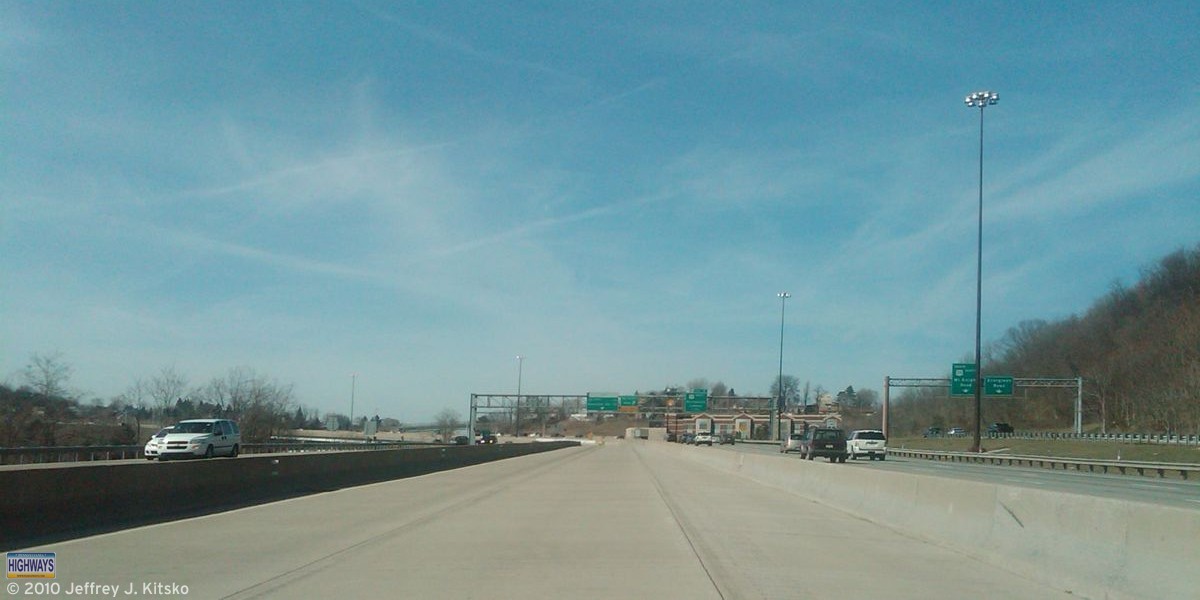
(201, 437)
(792, 443)
(867, 442)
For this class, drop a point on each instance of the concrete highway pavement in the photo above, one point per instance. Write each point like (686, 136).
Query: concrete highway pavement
(620, 520)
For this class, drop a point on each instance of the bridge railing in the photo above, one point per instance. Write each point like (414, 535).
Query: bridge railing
(1183, 470)
(52, 454)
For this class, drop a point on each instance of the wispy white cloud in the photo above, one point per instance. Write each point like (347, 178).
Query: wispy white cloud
(459, 46)
(1111, 169)
(200, 243)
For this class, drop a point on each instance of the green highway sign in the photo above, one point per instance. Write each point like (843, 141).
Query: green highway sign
(695, 401)
(628, 404)
(998, 386)
(962, 379)
(602, 403)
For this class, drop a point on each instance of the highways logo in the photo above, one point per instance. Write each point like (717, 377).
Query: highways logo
(29, 565)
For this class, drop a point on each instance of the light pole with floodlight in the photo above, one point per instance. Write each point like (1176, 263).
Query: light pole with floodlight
(775, 414)
(353, 377)
(520, 369)
(979, 100)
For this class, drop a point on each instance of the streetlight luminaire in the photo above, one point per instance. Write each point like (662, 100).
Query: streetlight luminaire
(982, 99)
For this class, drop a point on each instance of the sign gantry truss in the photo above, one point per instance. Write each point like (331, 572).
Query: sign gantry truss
(1018, 382)
(518, 410)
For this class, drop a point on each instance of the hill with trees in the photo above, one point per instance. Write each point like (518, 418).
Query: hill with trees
(1137, 349)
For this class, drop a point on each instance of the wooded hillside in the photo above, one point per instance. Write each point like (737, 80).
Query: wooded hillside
(1137, 348)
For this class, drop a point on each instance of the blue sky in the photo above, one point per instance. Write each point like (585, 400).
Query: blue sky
(419, 192)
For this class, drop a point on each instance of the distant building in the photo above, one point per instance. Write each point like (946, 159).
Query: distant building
(826, 403)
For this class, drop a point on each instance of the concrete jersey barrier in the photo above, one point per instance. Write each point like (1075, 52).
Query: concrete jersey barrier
(59, 501)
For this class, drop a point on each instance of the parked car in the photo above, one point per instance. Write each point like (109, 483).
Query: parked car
(151, 449)
(792, 443)
(727, 438)
(867, 442)
(999, 427)
(932, 432)
(201, 437)
(829, 442)
(702, 438)
(956, 432)
(686, 438)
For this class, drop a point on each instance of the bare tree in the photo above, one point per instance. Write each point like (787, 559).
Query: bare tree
(48, 375)
(791, 390)
(166, 388)
(134, 396)
(868, 399)
(447, 421)
(262, 407)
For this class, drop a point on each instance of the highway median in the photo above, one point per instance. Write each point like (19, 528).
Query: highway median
(61, 501)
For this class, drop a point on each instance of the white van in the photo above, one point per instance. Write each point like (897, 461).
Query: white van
(201, 437)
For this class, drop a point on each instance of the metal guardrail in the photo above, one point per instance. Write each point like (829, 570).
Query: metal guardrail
(1185, 470)
(1137, 438)
(53, 454)
(1133, 438)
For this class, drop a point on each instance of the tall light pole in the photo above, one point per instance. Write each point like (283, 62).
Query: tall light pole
(353, 377)
(979, 100)
(520, 369)
(775, 414)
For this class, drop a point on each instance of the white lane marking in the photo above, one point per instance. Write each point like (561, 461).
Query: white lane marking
(1149, 486)
(1024, 481)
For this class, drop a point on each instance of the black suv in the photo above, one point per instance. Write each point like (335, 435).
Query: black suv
(998, 428)
(829, 442)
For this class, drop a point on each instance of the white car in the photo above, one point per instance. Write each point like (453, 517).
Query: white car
(867, 442)
(201, 437)
(702, 438)
(792, 443)
(151, 449)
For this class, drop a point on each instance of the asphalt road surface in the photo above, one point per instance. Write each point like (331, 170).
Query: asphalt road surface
(611, 521)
